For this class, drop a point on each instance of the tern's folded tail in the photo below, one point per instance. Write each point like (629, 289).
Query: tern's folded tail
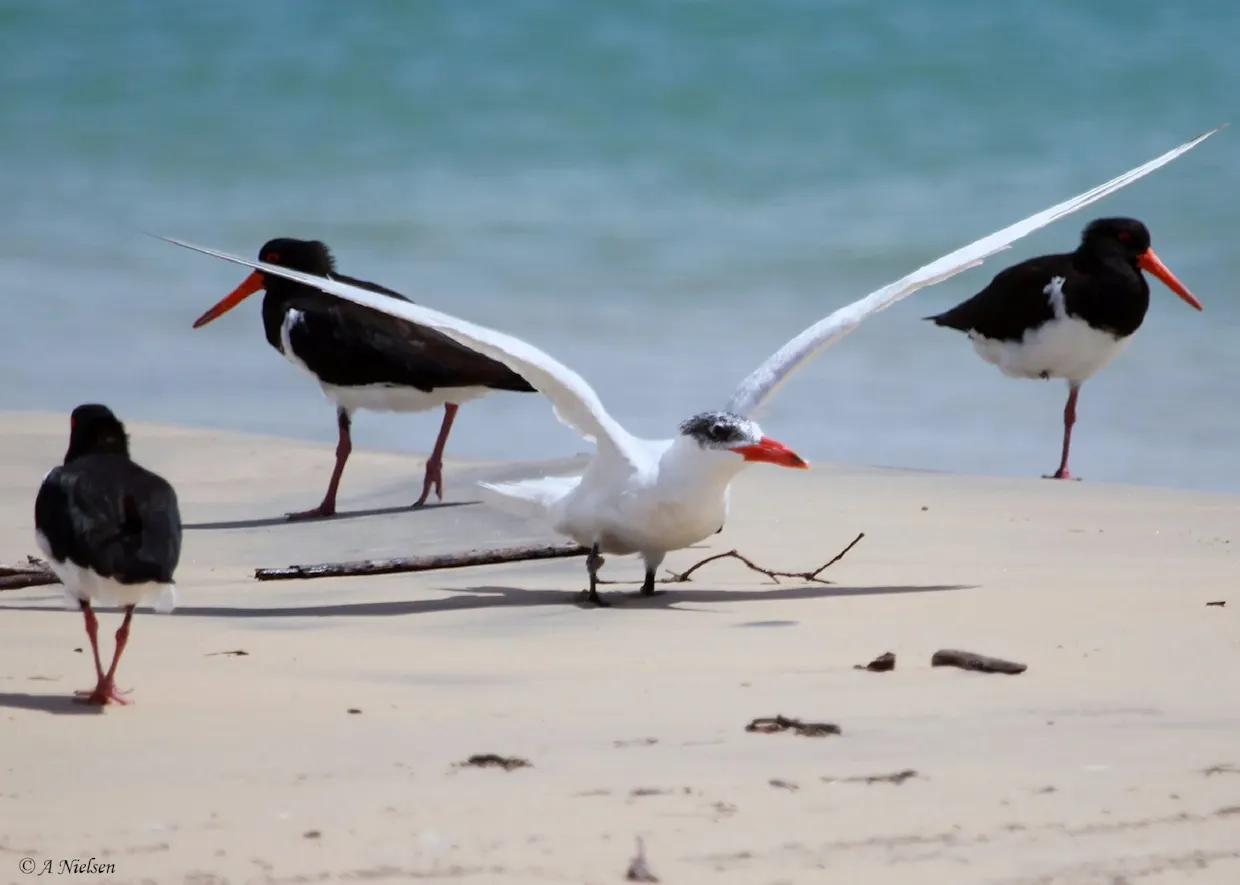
(541, 493)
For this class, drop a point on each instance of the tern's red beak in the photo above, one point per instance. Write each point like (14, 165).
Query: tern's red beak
(250, 285)
(1148, 261)
(772, 452)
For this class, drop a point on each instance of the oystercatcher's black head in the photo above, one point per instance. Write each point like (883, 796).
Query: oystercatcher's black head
(726, 432)
(307, 256)
(1129, 240)
(1126, 235)
(94, 430)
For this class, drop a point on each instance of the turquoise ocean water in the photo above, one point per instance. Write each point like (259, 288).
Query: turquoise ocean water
(658, 192)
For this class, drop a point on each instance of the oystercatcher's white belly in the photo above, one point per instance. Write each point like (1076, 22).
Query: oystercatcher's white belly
(1062, 348)
(394, 398)
(85, 584)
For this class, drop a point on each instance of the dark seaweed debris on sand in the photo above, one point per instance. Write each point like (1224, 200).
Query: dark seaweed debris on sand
(881, 664)
(493, 760)
(772, 724)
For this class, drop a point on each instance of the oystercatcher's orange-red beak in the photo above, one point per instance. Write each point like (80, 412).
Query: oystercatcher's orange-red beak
(1148, 261)
(772, 452)
(250, 285)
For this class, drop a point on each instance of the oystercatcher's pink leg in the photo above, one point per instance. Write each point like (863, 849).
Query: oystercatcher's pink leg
(434, 464)
(106, 691)
(1069, 418)
(344, 446)
(92, 632)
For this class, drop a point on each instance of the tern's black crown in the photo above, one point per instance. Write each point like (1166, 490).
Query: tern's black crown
(713, 429)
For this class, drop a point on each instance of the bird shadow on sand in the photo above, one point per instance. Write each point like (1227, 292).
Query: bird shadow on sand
(282, 519)
(513, 597)
(57, 704)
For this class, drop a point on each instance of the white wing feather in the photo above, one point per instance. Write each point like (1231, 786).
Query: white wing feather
(575, 403)
(764, 380)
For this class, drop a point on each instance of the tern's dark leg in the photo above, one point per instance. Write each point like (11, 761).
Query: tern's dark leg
(652, 566)
(434, 464)
(1069, 418)
(344, 445)
(648, 584)
(593, 562)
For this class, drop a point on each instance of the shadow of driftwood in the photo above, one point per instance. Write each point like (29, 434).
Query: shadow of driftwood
(269, 521)
(57, 704)
(500, 597)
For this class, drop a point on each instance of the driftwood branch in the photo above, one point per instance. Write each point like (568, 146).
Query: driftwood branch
(431, 562)
(967, 660)
(34, 573)
(523, 553)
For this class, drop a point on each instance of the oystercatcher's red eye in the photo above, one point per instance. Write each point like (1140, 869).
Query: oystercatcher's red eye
(1123, 235)
(273, 258)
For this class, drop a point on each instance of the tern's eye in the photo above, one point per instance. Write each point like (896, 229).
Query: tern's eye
(720, 432)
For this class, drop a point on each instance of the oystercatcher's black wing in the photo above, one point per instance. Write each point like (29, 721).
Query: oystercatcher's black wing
(108, 514)
(1014, 302)
(349, 345)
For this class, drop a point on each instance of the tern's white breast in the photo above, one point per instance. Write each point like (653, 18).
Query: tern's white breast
(663, 504)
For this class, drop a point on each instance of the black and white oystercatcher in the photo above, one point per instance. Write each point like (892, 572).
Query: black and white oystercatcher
(1067, 315)
(110, 530)
(363, 358)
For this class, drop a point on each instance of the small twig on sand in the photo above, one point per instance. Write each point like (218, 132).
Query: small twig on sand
(897, 778)
(770, 573)
(639, 869)
(1220, 769)
(771, 724)
(967, 660)
(683, 577)
(34, 574)
(493, 556)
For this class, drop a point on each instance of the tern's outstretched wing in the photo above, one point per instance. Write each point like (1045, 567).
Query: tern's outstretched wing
(755, 389)
(574, 401)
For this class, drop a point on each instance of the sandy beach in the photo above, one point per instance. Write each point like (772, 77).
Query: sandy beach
(1115, 758)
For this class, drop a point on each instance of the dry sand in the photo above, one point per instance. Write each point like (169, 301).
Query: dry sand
(1114, 759)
